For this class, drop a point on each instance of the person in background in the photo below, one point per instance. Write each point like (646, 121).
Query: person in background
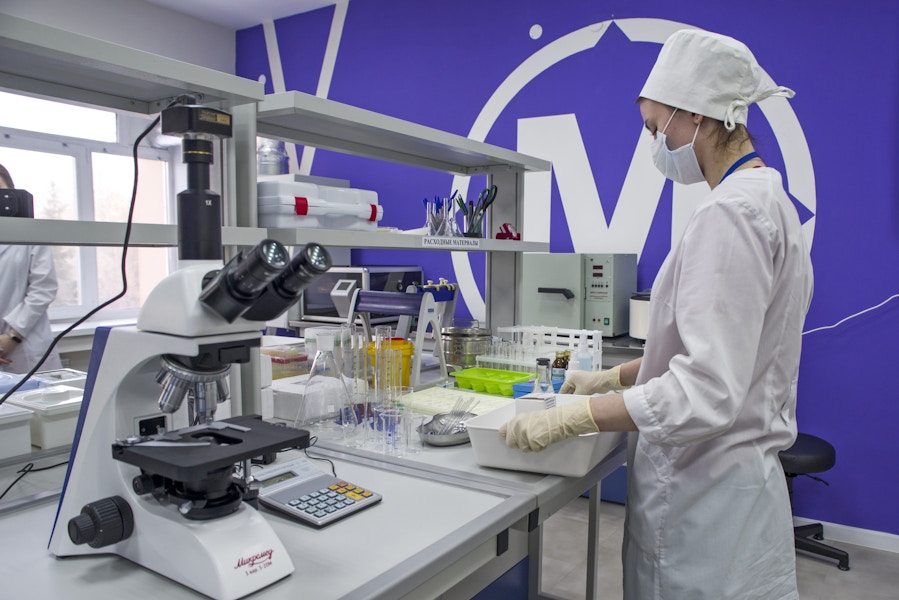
(27, 287)
(712, 400)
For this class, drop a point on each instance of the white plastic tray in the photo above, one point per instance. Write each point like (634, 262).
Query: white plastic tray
(574, 457)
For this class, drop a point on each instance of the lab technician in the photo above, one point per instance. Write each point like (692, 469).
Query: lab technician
(27, 287)
(713, 397)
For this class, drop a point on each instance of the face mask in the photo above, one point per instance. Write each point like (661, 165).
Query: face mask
(678, 165)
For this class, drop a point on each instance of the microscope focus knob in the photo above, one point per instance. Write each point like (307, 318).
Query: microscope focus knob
(143, 484)
(102, 523)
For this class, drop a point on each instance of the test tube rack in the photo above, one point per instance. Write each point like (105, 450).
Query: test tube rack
(530, 342)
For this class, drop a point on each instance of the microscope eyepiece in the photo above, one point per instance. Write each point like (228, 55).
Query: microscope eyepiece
(258, 267)
(234, 288)
(285, 289)
(310, 262)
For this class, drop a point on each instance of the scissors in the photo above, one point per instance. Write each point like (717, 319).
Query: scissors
(486, 198)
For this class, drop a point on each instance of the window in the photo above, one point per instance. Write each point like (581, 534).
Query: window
(78, 166)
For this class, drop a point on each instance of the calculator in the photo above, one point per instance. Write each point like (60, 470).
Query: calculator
(300, 490)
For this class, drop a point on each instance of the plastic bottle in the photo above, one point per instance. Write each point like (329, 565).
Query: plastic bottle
(560, 365)
(543, 383)
(584, 358)
(597, 351)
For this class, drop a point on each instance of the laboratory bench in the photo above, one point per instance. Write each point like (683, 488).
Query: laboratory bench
(550, 492)
(426, 536)
(446, 527)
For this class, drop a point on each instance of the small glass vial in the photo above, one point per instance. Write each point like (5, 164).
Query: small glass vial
(543, 383)
(560, 365)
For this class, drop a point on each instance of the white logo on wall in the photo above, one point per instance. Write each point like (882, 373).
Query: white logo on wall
(558, 138)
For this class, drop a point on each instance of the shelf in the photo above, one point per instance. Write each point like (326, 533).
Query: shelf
(52, 232)
(396, 241)
(53, 62)
(309, 120)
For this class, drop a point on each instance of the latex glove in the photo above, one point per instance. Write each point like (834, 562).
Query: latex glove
(535, 430)
(590, 382)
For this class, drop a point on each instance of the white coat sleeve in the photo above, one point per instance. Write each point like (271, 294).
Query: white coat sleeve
(41, 291)
(722, 286)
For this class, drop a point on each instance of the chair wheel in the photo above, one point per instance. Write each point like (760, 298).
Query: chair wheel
(818, 536)
(843, 567)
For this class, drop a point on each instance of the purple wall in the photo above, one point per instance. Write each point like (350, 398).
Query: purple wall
(438, 63)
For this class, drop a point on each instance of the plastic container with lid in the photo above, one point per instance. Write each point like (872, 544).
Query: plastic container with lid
(9, 380)
(55, 415)
(70, 377)
(302, 204)
(15, 432)
(287, 360)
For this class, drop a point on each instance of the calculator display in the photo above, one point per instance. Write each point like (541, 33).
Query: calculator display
(277, 479)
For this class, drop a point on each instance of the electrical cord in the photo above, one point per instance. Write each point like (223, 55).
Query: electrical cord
(124, 274)
(312, 441)
(29, 468)
(858, 314)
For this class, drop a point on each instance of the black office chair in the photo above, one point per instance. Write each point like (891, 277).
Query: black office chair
(810, 454)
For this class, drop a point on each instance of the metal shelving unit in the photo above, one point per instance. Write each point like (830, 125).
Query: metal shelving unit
(53, 232)
(45, 60)
(53, 62)
(304, 119)
(309, 120)
(392, 241)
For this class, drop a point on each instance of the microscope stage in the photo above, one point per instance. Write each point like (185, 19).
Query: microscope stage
(177, 459)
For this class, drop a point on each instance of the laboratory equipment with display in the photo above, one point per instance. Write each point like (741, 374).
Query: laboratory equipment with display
(578, 291)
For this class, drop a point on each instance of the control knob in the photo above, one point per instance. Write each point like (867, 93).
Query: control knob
(102, 523)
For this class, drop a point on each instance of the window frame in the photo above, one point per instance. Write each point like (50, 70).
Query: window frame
(81, 151)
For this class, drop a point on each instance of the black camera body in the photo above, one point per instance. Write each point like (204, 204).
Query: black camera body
(16, 203)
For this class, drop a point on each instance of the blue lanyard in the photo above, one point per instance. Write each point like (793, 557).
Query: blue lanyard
(736, 165)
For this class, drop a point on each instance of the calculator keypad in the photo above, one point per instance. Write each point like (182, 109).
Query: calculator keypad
(331, 502)
(310, 496)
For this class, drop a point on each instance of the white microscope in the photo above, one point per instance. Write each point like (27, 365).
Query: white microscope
(147, 482)
(166, 498)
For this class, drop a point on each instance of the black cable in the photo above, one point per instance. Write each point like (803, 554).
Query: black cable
(124, 273)
(312, 442)
(29, 468)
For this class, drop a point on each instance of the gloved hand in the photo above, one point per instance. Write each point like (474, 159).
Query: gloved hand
(534, 431)
(589, 382)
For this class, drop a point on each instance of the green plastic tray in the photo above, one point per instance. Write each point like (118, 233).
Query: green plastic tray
(492, 381)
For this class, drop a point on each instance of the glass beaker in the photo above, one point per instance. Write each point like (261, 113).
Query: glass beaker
(327, 402)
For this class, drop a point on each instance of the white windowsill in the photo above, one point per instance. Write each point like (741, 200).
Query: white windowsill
(81, 338)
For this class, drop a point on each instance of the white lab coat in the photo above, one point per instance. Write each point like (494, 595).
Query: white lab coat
(27, 287)
(708, 510)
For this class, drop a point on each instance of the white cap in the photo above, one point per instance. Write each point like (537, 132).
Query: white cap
(709, 74)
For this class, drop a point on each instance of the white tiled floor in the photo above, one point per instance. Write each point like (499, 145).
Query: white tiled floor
(874, 574)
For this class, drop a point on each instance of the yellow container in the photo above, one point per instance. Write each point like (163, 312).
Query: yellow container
(401, 371)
